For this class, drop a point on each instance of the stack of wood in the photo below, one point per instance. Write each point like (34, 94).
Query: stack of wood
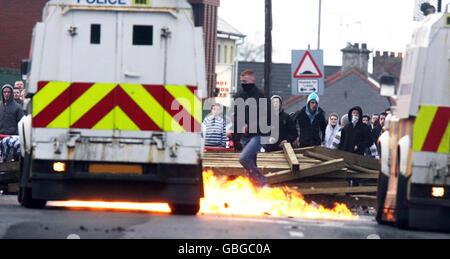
(9, 177)
(319, 173)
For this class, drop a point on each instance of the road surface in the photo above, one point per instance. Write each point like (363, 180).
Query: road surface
(61, 223)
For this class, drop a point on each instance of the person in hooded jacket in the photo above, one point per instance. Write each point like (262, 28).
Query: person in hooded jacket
(311, 122)
(355, 137)
(331, 130)
(286, 131)
(10, 112)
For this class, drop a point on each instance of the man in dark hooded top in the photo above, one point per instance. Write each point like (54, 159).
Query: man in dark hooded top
(355, 136)
(10, 112)
(284, 131)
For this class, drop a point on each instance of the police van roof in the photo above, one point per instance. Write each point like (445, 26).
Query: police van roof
(124, 3)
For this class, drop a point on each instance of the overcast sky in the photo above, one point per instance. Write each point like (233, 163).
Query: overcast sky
(384, 25)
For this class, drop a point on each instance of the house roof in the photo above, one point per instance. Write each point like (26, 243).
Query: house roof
(330, 80)
(225, 28)
(281, 76)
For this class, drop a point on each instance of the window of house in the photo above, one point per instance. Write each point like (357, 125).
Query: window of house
(219, 48)
(225, 54)
(95, 33)
(231, 54)
(143, 35)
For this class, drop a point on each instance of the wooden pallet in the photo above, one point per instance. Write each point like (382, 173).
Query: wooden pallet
(313, 171)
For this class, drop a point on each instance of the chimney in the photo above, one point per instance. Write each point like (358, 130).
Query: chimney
(355, 57)
(387, 63)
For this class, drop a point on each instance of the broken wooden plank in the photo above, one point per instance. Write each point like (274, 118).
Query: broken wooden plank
(318, 155)
(353, 189)
(291, 157)
(13, 188)
(348, 163)
(322, 183)
(9, 176)
(329, 200)
(10, 167)
(313, 170)
(349, 174)
(355, 159)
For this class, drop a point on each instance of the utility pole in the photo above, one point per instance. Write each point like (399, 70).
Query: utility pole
(268, 49)
(318, 31)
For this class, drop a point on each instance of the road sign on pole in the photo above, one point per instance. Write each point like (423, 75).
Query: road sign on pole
(307, 74)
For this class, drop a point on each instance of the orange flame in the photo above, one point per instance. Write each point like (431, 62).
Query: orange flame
(128, 206)
(235, 197)
(241, 197)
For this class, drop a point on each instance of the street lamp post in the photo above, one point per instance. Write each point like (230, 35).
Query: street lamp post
(268, 49)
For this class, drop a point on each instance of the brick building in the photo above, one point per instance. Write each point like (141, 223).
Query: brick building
(19, 16)
(387, 64)
(17, 21)
(205, 15)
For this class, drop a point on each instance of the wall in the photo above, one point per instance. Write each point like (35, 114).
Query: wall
(18, 18)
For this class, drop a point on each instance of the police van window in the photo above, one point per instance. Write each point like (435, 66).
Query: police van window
(142, 35)
(140, 2)
(95, 33)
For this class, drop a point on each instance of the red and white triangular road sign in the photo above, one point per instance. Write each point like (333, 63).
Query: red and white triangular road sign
(307, 68)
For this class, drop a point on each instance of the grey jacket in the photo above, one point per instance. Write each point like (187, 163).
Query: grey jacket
(10, 114)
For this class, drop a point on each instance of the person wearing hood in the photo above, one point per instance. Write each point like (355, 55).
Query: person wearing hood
(246, 124)
(331, 130)
(284, 131)
(311, 123)
(10, 112)
(355, 137)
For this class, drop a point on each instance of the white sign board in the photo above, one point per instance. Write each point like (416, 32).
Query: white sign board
(223, 83)
(307, 72)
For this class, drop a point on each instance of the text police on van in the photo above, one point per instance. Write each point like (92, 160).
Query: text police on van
(103, 2)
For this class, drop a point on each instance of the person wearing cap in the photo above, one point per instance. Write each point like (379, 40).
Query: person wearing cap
(10, 112)
(284, 131)
(310, 121)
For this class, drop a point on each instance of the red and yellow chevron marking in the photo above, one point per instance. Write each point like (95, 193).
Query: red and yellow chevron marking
(431, 130)
(109, 106)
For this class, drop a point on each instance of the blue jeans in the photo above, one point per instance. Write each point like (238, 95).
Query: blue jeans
(248, 159)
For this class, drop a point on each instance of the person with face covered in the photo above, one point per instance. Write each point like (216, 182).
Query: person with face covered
(310, 121)
(356, 136)
(249, 105)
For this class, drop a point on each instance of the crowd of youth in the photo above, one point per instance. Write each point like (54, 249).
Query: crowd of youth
(352, 132)
(11, 111)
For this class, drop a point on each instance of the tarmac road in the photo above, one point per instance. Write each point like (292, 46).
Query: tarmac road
(62, 223)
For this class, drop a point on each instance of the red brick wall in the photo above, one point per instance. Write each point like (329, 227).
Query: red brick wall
(17, 19)
(208, 20)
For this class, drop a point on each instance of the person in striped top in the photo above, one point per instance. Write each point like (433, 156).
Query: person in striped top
(214, 128)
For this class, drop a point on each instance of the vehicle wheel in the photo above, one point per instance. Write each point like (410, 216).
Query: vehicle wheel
(27, 201)
(184, 209)
(381, 197)
(401, 208)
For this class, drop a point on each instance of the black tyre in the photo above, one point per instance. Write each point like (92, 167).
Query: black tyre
(381, 197)
(27, 201)
(184, 209)
(25, 197)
